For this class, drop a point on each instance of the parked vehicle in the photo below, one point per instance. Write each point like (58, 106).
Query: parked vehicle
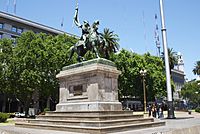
(18, 114)
(132, 105)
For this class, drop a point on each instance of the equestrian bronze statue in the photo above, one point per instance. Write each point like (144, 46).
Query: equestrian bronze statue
(90, 40)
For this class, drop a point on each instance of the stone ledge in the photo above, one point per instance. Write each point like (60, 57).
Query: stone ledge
(93, 66)
(89, 106)
(92, 130)
(77, 98)
(97, 60)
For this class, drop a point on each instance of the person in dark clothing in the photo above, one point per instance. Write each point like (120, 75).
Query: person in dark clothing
(149, 109)
(154, 110)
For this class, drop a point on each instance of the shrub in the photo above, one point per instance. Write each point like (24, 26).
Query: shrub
(46, 109)
(11, 115)
(3, 117)
(197, 109)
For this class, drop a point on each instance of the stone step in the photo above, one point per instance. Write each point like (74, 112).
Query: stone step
(93, 113)
(88, 117)
(92, 130)
(91, 123)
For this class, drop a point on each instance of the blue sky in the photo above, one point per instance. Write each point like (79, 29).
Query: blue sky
(132, 20)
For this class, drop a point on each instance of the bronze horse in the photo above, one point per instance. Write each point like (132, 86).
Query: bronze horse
(95, 43)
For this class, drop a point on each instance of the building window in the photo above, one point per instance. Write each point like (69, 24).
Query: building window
(14, 29)
(19, 30)
(1, 25)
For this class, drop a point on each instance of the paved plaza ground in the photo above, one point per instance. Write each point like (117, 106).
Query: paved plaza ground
(183, 124)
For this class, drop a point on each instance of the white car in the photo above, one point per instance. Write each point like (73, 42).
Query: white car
(18, 114)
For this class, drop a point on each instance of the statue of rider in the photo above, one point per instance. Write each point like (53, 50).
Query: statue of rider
(95, 26)
(85, 28)
(100, 37)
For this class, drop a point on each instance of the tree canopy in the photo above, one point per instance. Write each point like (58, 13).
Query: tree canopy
(191, 92)
(6, 55)
(196, 69)
(112, 42)
(34, 62)
(130, 81)
(173, 59)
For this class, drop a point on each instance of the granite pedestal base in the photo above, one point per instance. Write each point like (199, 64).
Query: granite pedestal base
(89, 86)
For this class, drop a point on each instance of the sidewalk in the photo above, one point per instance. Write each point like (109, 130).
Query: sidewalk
(179, 125)
(183, 124)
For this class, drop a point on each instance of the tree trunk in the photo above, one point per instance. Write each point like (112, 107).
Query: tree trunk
(26, 106)
(48, 103)
(4, 103)
(35, 97)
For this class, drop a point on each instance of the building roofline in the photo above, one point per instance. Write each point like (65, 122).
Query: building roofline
(33, 24)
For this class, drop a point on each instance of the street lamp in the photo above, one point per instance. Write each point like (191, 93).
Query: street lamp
(143, 74)
(197, 93)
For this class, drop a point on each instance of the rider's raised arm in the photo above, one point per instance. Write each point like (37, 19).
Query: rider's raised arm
(76, 20)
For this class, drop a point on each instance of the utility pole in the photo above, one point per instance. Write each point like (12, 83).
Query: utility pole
(167, 69)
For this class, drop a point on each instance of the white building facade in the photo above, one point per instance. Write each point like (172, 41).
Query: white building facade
(178, 77)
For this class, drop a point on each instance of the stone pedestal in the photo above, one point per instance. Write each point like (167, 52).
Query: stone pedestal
(89, 86)
(89, 102)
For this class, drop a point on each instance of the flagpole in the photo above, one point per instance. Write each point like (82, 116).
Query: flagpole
(167, 69)
(75, 13)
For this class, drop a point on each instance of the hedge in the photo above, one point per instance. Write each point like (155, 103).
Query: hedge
(3, 117)
(197, 110)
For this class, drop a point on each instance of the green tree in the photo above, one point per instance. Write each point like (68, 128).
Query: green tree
(173, 60)
(130, 81)
(196, 69)
(191, 92)
(6, 55)
(155, 80)
(38, 59)
(111, 41)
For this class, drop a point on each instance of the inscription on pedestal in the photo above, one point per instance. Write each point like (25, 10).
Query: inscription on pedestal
(77, 90)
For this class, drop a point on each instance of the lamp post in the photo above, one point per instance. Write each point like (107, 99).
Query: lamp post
(143, 74)
(197, 93)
